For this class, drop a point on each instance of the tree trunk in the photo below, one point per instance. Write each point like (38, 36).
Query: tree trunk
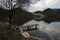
(10, 22)
(10, 18)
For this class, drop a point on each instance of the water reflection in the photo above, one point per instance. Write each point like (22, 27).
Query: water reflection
(52, 29)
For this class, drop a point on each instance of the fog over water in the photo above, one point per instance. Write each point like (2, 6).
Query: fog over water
(52, 29)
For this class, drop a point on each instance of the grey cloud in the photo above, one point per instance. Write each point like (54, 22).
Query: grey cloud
(44, 4)
(53, 27)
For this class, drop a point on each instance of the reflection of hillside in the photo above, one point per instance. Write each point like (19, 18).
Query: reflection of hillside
(39, 34)
(38, 16)
(20, 16)
(51, 15)
(57, 36)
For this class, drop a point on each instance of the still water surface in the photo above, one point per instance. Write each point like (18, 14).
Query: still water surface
(50, 31)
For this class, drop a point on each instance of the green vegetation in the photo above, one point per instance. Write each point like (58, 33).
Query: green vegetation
(9, 34)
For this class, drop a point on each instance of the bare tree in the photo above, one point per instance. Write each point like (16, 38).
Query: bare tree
(12, 4)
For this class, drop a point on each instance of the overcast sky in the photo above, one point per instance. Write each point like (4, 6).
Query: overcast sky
(44, 4)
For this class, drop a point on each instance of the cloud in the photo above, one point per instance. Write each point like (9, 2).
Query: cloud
(45, 27)
(52, 29)
(49, 28)
(44, 4)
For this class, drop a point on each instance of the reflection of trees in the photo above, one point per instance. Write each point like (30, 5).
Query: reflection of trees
(38, 16)
(50, 15)
(57, 36)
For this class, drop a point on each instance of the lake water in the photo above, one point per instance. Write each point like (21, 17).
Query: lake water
(50, 31)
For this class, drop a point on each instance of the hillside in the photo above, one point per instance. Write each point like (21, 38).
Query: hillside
(18, 16)
(51, 15)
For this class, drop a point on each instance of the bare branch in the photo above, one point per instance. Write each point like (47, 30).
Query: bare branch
(10, 4)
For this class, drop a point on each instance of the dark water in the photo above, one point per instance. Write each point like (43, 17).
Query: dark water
(39, 34)
(49, 31)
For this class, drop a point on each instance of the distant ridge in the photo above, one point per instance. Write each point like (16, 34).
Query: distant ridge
(52, 15)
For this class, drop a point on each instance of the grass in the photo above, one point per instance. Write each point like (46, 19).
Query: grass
(9, 34)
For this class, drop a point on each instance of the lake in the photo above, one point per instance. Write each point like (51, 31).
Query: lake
(50, 31)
